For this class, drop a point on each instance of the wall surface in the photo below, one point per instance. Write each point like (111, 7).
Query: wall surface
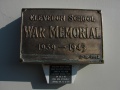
(16, 76)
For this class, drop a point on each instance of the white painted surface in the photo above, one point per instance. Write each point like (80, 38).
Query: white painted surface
(16, 76)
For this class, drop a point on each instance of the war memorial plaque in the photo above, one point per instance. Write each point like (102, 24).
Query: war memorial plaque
(61, 36)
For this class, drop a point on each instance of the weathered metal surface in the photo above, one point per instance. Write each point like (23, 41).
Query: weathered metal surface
(60, 36)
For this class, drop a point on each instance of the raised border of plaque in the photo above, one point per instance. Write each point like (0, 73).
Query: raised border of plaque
(61, 36)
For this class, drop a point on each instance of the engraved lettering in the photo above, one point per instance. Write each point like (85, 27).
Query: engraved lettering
(81, 18)
(32, 32)
(90, 56)
(53, 31)
(83, 32)
(47, 17)
(32, 17)
(80, 47)
(46, 47)
(70, 18)
(92, 33)
(62, 18)
(35, 32)
(26, 31)
(68, 32)
(96, 33)
(61, 32)
(41, 32)
(74, 32)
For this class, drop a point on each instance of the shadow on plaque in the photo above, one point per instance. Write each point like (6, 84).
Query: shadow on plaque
(10, 67)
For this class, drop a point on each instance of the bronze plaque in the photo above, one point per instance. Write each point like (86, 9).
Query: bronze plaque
(60, 36)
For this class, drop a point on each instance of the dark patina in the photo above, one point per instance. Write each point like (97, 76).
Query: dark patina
(61, 36)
